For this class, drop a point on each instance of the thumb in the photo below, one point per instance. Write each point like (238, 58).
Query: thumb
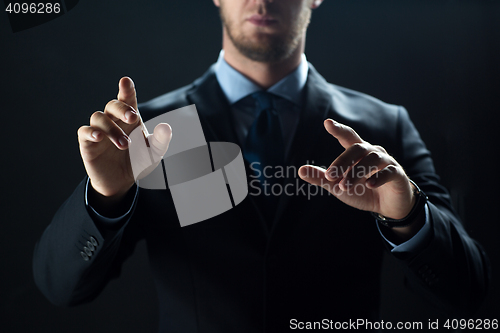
(160, 139)
(126, 92)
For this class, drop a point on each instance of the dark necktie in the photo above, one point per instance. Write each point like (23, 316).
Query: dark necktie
(264, 150)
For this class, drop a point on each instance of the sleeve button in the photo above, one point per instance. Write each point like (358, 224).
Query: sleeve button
(423, 269)
(87, 251)
(90, 246)
(84, 256)
(93, 241)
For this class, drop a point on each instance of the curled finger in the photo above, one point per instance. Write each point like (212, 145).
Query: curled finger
(103, 124)
(388, 174)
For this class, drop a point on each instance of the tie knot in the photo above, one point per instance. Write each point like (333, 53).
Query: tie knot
(264, 100)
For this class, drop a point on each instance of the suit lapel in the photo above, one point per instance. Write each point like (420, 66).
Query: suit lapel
(318, 102)
(213, 108)
(315, 110)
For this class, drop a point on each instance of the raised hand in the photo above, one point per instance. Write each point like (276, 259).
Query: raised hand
(104, 144)
(364, 176)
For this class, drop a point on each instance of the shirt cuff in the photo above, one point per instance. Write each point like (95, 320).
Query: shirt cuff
(413, 244)
(103, 219)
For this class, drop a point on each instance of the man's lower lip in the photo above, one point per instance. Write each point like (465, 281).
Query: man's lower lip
(262, 23)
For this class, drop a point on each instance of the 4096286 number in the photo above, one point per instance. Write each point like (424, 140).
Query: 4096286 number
(33, 8)
(473, 324)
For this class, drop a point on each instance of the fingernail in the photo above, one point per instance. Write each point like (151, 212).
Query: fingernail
(131, 83)
(332, 173)
(303, 173)
(128, 114)
(124, 141)
(95, 134)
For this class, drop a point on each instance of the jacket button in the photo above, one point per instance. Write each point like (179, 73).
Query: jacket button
(84, 256)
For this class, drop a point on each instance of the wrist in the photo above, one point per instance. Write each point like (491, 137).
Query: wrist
(110, 206)
(418, 201)
(403, 234)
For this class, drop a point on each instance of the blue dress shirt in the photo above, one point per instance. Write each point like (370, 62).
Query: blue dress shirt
(238, 90)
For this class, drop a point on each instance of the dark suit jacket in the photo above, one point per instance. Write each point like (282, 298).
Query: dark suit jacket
(230, 273)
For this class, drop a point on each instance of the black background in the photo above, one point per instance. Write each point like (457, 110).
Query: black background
(440, 59)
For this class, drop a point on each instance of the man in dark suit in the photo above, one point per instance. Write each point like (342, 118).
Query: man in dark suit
(271, 263)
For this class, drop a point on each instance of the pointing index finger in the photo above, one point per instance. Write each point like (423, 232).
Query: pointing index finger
(346, 135)
(128, 95)
(126, 92)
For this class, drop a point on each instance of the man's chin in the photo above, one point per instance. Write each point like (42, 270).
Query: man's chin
(267, 49)
(261, 54)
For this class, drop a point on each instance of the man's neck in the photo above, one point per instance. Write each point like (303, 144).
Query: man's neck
(263, 74)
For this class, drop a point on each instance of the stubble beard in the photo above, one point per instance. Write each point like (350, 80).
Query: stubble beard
(269, 48)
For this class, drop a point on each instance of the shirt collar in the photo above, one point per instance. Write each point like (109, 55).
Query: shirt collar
(236, 86)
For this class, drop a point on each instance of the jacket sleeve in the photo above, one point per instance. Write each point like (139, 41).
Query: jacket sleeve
(452, 270)
(76, 257)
